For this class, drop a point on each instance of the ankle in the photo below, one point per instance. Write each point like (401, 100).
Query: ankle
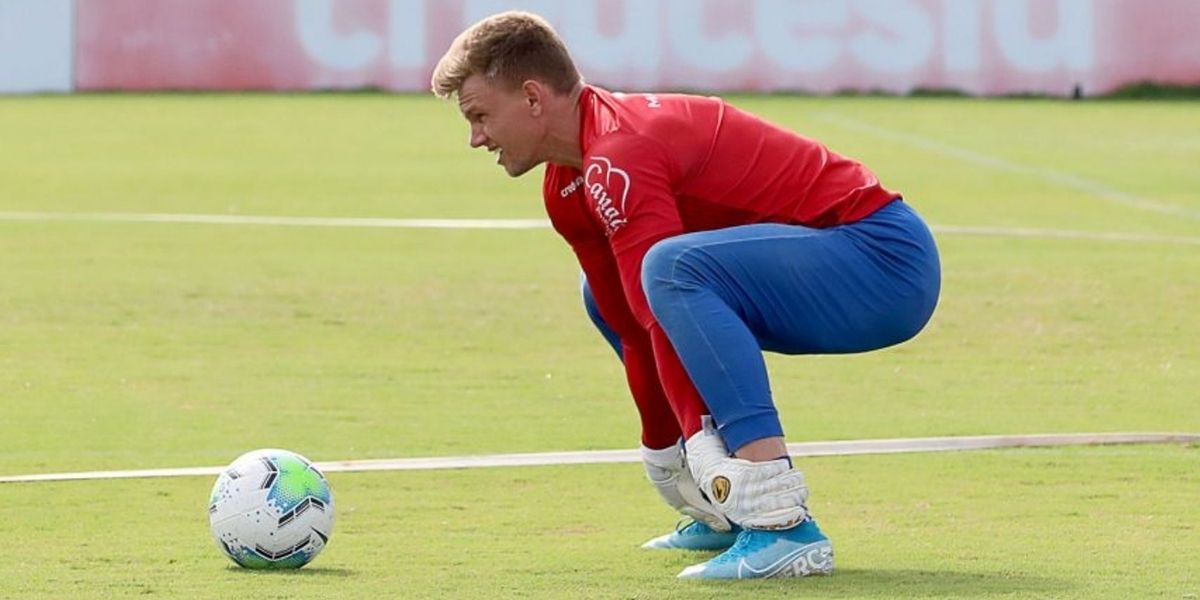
(764, 450)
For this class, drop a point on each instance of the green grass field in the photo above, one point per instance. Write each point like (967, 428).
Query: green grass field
(141, 345)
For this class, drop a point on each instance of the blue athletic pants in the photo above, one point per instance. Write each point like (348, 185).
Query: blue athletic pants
(723, 296)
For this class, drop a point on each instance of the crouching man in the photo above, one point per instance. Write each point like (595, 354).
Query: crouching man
(706, 236)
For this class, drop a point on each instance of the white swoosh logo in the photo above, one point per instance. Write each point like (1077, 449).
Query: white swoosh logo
(814, 558)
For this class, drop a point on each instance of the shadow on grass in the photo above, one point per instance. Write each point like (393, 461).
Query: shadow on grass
(305, 572)
(912, 583)
(918, 583)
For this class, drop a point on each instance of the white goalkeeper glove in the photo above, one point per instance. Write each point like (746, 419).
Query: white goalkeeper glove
(756, 495)
(667, 469)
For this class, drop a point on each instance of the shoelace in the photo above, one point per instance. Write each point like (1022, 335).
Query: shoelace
(748, 541)
(740, 548)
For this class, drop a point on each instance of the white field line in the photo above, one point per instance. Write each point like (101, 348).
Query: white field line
(1088, 186)
(371, 222)
(1065, 234)
(840, 448)
(284, 221)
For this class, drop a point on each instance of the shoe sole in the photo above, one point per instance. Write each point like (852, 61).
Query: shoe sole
(810, 560)
(666, 543)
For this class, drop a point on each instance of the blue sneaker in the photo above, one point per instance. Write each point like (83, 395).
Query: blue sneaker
(797, 552)
(695, 536)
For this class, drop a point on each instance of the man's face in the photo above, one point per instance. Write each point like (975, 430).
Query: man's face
(503, 121)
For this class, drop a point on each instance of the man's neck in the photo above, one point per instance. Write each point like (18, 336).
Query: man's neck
(562, 139)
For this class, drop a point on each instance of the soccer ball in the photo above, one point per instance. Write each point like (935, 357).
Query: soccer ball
(271, 509)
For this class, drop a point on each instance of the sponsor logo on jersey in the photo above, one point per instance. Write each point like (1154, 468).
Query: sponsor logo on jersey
(608, 188)
(571, 187)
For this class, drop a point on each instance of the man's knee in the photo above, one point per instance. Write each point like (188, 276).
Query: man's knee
(593, 313)
(663, 270)
(589, 303)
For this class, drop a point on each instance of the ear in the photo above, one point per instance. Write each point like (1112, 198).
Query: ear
(535, 96)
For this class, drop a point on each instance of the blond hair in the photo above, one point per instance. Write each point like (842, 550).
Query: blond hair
(508, 48)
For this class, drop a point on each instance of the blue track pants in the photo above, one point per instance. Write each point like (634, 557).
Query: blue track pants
(723, 296)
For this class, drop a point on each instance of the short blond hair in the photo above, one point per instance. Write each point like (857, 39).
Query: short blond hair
(508, 48)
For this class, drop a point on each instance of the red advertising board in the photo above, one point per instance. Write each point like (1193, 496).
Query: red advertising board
(979, 46)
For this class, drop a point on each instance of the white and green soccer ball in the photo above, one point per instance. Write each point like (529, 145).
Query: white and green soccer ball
(271, 509)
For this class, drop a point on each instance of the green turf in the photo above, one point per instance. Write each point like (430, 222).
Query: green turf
(1050, 523)
(151, 345)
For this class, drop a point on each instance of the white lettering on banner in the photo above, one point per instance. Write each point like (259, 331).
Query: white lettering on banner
(636, 45)
(777, 21)
(346, 52)
(812, 36)
(314, 27)
(406, 33)
(802, 35)
(475, 10)
(685, 31)
(961, 24)
(843, 42)
(908, 37)
(600, 183)
(1070, 46)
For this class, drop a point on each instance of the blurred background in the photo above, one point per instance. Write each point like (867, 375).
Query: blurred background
(1054, 47)
(239, 224)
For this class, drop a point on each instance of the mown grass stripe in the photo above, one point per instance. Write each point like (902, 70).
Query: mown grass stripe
(1090, 187)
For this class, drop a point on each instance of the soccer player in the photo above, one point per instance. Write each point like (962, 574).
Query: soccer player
(705, 235)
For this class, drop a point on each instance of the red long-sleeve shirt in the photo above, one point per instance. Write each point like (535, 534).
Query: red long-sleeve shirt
(658, 165)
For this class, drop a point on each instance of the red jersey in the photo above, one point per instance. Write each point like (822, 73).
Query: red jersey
(658, 165)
